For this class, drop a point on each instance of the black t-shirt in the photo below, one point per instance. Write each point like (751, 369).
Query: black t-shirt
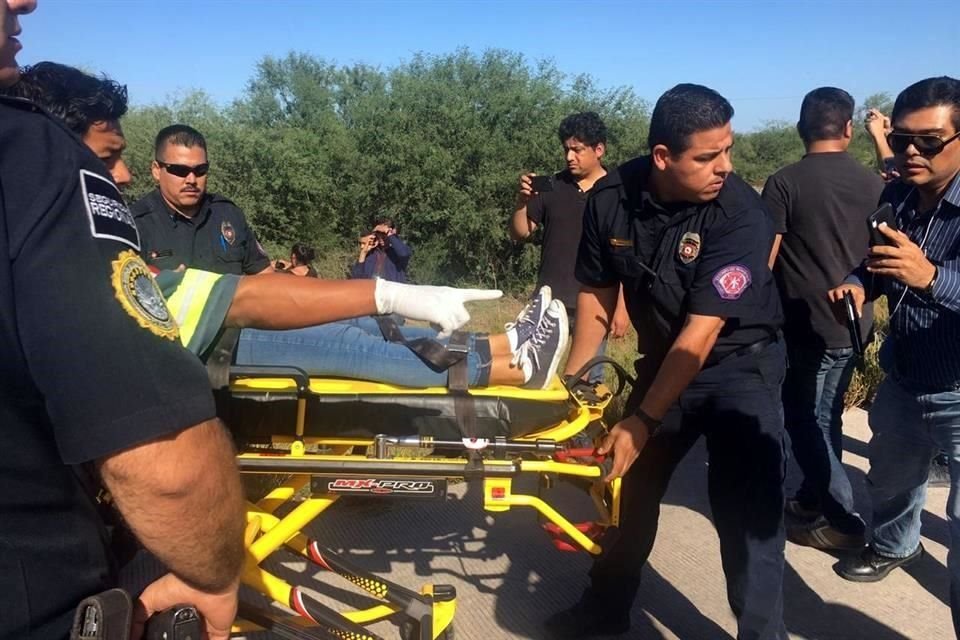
(820, 205)
(560, 213)
(706, 259)
(217, 239)
(91, 365)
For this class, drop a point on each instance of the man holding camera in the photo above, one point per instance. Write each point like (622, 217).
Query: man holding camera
(557, 202)
(917, 409)
(181, 224)
(382, 253)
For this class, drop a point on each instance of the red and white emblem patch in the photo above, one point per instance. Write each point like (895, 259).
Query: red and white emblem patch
(731, 281)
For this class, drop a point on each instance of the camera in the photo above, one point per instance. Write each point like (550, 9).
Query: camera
(381, 238)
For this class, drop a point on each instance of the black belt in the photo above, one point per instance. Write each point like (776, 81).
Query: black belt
(745, 350)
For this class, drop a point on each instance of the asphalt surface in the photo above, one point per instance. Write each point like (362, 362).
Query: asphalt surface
(509, 577)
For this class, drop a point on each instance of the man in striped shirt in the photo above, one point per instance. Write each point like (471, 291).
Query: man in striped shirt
(917, 409)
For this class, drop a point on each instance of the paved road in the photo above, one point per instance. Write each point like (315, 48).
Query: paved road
(509, 578)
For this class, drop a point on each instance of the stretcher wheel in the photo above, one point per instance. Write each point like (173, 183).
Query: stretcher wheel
(410, 630)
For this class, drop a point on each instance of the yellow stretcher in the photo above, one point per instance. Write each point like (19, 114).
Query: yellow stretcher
(336, 437)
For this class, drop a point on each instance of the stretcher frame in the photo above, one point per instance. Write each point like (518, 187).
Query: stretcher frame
(324, 468)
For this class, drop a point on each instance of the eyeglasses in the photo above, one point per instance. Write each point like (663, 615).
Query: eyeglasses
(927, 144)
(183, 170)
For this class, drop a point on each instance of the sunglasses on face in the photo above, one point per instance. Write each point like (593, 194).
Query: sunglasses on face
(183, 170)
(927, 144)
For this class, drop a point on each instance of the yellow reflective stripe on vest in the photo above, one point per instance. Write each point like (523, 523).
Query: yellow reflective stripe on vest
(187, 302)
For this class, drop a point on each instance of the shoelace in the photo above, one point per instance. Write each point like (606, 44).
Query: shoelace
(531, 348)
(526, 316)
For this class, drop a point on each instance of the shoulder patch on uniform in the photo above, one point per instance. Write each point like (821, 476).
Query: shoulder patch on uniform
(109, 216)
(731, 281)
(140, 296)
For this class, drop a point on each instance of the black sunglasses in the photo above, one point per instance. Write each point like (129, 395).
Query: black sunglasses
(928, 144)
(183, 170)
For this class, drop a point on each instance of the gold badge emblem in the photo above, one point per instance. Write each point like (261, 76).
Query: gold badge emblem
(620, 242)
(140, 296)
(689, 247)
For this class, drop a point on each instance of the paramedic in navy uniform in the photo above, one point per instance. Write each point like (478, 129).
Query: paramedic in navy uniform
(689, 242)
(95, 383)
(181, 224)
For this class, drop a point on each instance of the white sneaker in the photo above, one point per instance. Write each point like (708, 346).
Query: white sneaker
(523, 326)
(540, 356)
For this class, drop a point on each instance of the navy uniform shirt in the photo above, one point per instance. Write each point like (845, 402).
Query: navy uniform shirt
(924, 327)
(707, 259)
(216, 239)
(91, 365)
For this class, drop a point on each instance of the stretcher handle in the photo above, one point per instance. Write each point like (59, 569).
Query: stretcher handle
(584, 452)
(622, 376)
(298, 375)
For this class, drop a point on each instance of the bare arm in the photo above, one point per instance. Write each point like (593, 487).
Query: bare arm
(682, 363)
(278, 301)
(777, 239)
(521, 226)
(595, 308)
(877, 126)
(181, 496)
(684, 360)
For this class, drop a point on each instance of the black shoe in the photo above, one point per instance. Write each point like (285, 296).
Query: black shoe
(870, 566)
(820, 534)
(583, 621)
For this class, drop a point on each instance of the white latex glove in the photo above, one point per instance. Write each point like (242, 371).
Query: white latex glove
(442, 306)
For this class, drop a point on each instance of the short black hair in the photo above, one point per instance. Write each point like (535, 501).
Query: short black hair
(178, 134)
(683, 111)
(304, 253)
(824, 114)
(587, 127)
(76, 98)
(384, 218)
(932, 92)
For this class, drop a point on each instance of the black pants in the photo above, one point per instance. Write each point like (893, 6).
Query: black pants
(736, 406)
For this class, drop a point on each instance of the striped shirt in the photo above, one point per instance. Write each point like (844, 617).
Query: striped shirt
(925, 328)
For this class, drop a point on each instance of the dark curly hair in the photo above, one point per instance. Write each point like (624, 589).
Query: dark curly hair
(587, 127)
(72, 96)
(303, 253)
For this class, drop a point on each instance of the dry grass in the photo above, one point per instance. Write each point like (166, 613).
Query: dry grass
(868, 375)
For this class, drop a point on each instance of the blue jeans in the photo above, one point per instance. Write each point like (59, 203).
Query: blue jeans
(813, 390)
(353, 349)
(909, 428)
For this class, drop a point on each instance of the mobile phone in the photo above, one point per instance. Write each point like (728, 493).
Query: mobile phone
(884, 214)
(540, 184)
(853, 323)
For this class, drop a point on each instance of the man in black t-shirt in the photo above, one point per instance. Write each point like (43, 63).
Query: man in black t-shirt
(95, 386)
(820, 206)
(560, 212)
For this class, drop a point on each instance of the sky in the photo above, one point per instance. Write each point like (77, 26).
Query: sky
(762, 56)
